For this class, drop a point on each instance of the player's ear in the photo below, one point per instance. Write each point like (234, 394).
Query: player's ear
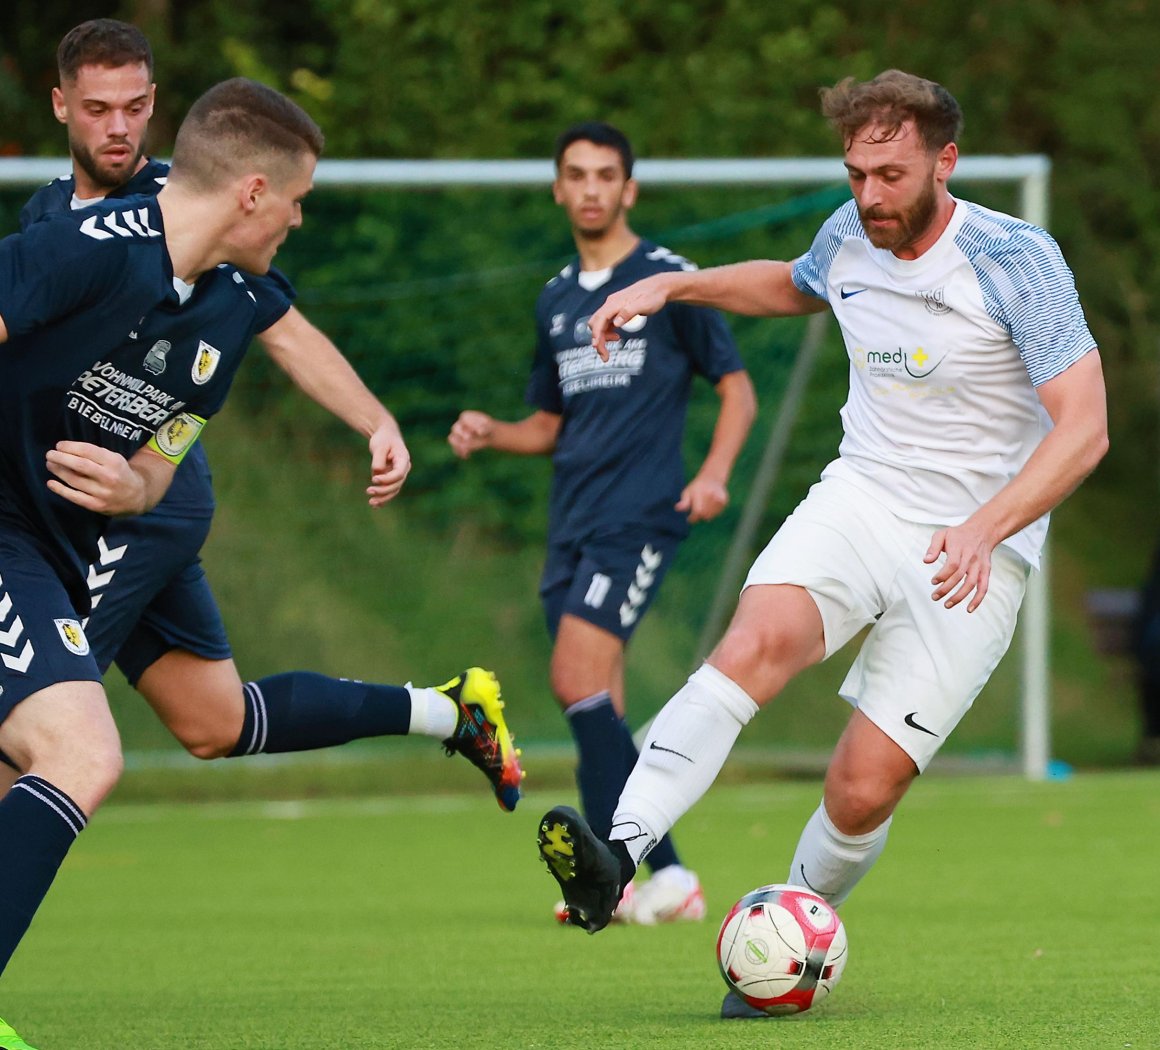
(628, 194)
(557, 191)
(59, 106)
(945, 161)
(250, 191)
(152, 98)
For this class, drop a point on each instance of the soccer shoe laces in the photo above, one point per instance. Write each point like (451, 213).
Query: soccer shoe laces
(481, 734)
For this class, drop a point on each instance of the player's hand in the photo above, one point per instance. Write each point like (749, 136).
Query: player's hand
(967, 566)
(390, 464)
(470, 432)
(641, 299)
(95, 478)
(703, 499)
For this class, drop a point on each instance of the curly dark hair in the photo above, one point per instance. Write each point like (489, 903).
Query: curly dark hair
(890, 100)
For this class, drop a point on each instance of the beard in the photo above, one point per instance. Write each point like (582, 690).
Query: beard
(108, 176)
(912, 221)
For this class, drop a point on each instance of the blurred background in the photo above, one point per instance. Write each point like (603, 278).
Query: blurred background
(430, 293)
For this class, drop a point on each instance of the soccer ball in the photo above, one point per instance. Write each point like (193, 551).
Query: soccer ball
(782, 949)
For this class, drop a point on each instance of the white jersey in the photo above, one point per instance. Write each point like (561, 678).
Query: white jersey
(945, 352)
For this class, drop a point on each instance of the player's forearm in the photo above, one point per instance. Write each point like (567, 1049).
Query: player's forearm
(533, 436)
(734, 421)
(317, 367)
(154, 473)
(1067, 455)
(758, 288)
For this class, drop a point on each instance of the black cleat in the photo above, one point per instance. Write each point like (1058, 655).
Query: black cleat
(585, 868)
(734, 1008)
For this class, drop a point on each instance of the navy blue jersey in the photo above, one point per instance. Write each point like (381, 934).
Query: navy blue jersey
(101, 349)
(191, 494)
(618, 453)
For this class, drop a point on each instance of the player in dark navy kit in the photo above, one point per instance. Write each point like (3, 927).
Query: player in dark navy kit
(154, 613)
(620, 505)
(123, 330)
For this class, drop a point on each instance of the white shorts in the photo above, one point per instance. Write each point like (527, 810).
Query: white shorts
(922, 665)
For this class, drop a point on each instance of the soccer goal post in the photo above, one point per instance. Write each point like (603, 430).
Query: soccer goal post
(1029, 174)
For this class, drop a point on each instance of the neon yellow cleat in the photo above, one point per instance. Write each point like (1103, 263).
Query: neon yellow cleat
(481, 735)
(9, 1040)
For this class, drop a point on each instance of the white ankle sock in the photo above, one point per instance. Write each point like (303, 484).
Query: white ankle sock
(432, 713)
(830, 862)
(684, 751)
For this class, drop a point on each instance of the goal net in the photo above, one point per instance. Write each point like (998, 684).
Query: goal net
(425, 274)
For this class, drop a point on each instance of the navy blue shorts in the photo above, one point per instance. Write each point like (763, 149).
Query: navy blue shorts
(609, 579)
(150, 594)
(42, 640)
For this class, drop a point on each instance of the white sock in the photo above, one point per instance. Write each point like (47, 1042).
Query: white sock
(829, 862)
(684, 751)
(432, 713)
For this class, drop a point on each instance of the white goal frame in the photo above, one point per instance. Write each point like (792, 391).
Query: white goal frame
(1030, 173)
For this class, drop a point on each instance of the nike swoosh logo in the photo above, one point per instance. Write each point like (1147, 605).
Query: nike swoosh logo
(909, 720)
(654, 746)
(856, 291)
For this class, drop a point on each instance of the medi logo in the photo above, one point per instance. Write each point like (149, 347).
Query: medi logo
(916, 363)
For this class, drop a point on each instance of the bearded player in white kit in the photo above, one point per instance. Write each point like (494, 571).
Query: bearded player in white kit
(976, 405)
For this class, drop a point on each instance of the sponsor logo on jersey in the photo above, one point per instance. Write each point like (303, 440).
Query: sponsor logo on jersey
(178, 434)
(205, 362)
(634, 324)
(935, 301)
(916, 363)
(155, 359)
(558, 322)
(851, 292)
(73, 636)
(581, 333)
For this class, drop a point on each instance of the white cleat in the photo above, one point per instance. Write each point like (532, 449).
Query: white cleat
(673, 894)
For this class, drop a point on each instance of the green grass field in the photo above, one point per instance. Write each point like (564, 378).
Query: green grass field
(1003, 914)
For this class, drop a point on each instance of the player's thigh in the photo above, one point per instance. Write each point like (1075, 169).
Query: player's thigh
(199, 701)
(922, 665)
(54, 719)
(586, 660)
(182, 614)
(775, 633)
(139, 557)
(837, 547)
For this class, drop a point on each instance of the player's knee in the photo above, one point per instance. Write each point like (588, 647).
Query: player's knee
(856, 805)
(751, 651)
(572, 682)
(84, 766)
(208, 742)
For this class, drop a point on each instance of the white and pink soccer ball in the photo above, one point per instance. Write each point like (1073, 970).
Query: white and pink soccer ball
(782, 949)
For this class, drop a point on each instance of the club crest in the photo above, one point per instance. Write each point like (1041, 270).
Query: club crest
(73, 636)
(205, 363)
(178, 433)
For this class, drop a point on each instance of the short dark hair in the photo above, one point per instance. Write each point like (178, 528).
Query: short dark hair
(241, 124)
(889, 100)
(102, 42)
(601, 134)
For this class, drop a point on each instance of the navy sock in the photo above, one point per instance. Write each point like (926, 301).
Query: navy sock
(301, 711)
(38, 823)
(600, 776)
(664, 852)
